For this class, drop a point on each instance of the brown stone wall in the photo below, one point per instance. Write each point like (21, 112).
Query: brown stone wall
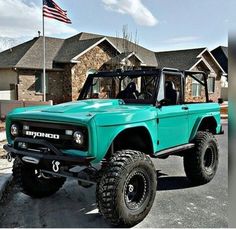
(26, 86)
(67, 83)
(55, 87)
(188, 92)
(212, 96)
(217, 94)
(93, 59)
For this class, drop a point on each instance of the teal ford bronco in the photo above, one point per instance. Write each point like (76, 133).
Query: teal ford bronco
(121, 120)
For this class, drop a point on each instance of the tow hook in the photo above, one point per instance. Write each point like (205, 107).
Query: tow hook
(55, 166)
(9, 157)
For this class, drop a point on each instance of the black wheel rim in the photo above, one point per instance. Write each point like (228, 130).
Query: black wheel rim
(209, 159)
(135, 190)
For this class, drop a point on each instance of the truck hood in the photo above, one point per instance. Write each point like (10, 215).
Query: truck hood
(104, 112)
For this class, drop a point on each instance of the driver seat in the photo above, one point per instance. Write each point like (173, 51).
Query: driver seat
(129, 92)
(171, 93)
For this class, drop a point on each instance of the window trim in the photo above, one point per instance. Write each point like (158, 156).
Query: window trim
(214, 83)
(199, 89)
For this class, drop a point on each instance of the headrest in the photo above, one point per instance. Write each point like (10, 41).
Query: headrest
(131, 87)
(170, 85)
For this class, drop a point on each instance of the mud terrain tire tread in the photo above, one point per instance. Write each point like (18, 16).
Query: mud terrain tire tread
(108, 188)
(193, 160)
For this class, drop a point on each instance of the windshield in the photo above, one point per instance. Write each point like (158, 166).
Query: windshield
(131, 89)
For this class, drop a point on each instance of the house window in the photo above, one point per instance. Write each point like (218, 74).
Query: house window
(211, 84)
(96, 85)
(39, 83)
(196, 88)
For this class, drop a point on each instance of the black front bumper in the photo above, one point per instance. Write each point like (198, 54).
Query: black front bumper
(48, 152)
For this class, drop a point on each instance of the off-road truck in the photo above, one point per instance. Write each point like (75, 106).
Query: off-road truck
(121, 120)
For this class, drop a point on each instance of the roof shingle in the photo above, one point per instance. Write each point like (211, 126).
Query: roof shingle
(83, 39)
(73, 47)
(30, 54)
(180, 59)
(221, 55)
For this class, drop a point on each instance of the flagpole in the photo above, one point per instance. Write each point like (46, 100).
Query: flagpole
(44, 61)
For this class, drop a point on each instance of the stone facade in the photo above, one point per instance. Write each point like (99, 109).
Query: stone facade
(212, 96)
(55, 87)
(206, 65)
(94, 59)
(189, 86)
(26, 86)
(64, 86)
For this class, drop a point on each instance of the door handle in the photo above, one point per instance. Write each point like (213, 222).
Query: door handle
(184, 108)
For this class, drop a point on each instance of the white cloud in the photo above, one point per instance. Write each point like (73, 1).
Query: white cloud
(134, 8)
(19, 19)
(7, 42)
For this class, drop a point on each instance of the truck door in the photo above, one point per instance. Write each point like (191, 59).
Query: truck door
(172, 114)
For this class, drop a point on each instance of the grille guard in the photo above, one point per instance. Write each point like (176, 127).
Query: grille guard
(53, 154)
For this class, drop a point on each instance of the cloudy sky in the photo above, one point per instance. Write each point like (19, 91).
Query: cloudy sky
(160, 24)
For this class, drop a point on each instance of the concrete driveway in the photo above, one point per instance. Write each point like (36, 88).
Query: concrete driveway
(177, 204)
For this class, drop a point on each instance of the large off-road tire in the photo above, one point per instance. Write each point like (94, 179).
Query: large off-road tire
(33, 183)
(127, 188)
(201, 162)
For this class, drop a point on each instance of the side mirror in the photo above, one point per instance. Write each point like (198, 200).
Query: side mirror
(220, 100)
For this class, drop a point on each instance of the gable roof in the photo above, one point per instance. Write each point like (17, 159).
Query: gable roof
(221, 55)
(180, 59)
(73, 48)
(147, 56)
(124, 56)
(30, 55)
(10, 57)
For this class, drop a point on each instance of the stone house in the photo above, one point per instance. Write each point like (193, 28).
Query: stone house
(221, 55)
(200, 59)
(68, 62)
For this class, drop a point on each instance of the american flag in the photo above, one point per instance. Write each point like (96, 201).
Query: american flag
(52, 10)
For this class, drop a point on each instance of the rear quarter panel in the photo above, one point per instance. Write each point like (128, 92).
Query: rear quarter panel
(199, 111)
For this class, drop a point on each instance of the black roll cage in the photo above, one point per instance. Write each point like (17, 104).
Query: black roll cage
(150, 72)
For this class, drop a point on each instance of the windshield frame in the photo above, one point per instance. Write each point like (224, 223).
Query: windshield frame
(132, 74)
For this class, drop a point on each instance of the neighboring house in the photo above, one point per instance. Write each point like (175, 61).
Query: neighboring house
(195, 60)
(69, 61)
(221, 55)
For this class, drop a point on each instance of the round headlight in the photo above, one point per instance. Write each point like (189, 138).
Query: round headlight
(14, 130)
(79, 138)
